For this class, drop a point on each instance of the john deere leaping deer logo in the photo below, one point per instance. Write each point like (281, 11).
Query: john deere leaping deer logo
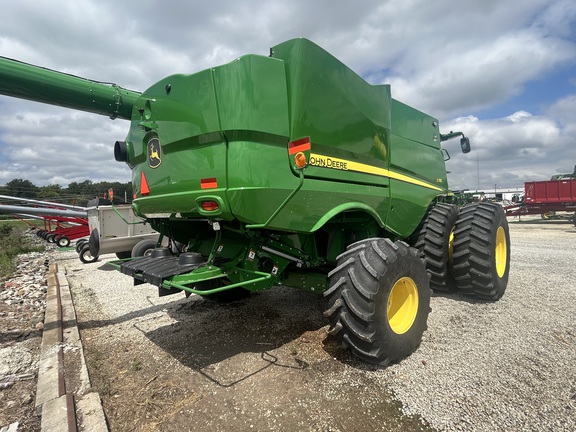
(154, 153)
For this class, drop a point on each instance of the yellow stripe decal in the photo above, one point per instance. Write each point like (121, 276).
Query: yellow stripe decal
(346, 165)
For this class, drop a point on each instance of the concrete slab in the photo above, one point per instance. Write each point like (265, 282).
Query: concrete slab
(49, 366)
(61, 338)
(69, 324)
(55, 415)
(90, 414)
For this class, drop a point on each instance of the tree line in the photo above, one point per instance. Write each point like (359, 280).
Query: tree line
(77, 193)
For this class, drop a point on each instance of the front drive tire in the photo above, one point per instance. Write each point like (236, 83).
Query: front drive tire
(435, 242)
(482, 251)
(379, 300)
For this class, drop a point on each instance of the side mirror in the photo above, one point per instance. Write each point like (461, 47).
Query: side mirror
(465, 144)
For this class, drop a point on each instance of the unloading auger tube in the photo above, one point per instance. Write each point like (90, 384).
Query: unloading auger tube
(38, 84)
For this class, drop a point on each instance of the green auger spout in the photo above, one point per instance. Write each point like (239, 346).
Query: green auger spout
(26, 81)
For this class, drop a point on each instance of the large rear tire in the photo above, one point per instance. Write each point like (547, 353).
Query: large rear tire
(435, 242)
(482, 251)
(379, 300)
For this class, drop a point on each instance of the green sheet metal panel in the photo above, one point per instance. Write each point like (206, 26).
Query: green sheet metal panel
(192, 147)
(233, 123)
(334, 106)
(414, 152)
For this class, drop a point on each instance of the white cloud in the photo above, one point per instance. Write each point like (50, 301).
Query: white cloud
(510, 151)
(485, 74)
(449, 58)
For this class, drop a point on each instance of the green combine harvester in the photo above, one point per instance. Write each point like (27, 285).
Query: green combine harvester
(292, 170)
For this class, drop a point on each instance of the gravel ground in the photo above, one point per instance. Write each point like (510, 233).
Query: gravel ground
(508, 365)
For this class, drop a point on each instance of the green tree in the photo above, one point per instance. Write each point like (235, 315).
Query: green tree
(50, 193)
(21, 188)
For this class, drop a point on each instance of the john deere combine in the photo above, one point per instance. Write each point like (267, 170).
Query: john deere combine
(291, 169)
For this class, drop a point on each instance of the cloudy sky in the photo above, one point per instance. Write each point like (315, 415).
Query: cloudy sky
(502, 71)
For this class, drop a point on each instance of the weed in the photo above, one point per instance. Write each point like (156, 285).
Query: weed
(136, 365)
(95, 359)
(14, 242)
(294, 348)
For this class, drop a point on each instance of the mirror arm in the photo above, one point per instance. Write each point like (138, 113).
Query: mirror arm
(446, 137)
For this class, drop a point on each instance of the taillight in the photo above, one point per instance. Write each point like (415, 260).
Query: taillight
(209, 205)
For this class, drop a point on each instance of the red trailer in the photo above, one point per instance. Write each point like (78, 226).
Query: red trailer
(546, 198)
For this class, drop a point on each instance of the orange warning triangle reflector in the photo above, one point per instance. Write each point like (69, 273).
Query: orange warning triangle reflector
(144, 189)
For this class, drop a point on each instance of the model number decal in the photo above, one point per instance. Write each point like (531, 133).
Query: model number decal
(326, 162)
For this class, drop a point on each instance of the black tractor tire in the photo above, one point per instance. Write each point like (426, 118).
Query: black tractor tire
(379, 300)
(435, 243)
(143, 248)
(51, 238)
(124, 254)
(482, 251)
(63, 241)
(85, 255)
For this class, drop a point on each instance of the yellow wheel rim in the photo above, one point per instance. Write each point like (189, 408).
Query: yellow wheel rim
(501, 252)
(451, 248)
(402, 305)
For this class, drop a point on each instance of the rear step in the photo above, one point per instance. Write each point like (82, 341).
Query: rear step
(160, 265)
(172, 273)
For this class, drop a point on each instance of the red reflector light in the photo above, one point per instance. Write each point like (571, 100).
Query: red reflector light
(209, 183)
(209, 206)
(144, 189)
(300, 145)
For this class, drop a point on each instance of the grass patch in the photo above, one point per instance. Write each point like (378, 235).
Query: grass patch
(14, 243)
(98, 372)
(13, 223)
(136, 365)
